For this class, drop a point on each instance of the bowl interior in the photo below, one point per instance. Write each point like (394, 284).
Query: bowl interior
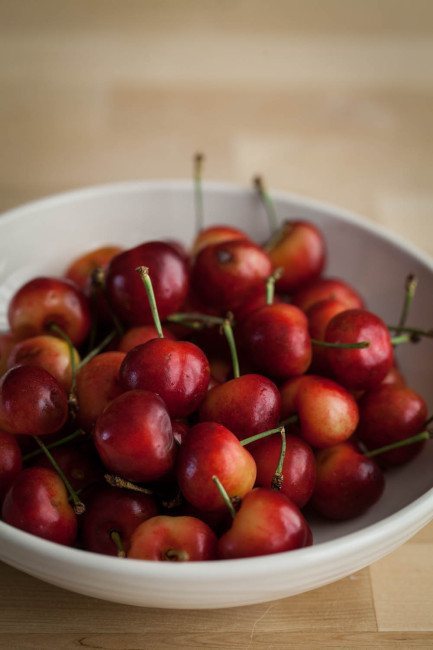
(43, 237)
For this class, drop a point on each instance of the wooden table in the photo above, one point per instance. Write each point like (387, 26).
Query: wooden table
(331, 99)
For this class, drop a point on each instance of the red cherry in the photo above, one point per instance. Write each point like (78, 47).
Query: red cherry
(224, 274)
(276, 340)
(325, 289)
(282, 527)
(125, 288)
(216, 235)
(390, 413)
(299, 467)
(180, 430)
(212, 449)
(134, 438)
(79, 463)
(43, 302)
(48, 352)
(247, 405)
(347, 482)
(173, 539)
(319, 317)
(113, 510)
(364, 368)
(37, 502)
(97, 386)
(299, 250)
(139, 335)
(178, 371)
(7, 342)
(10, 461)
(32, 402)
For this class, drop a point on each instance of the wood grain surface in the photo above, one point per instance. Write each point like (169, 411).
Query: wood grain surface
(332, 99)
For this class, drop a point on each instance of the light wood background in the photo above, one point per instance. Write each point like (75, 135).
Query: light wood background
(328, 98)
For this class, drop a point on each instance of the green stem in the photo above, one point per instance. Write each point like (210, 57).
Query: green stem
(195, 319)
(119, 482)
(429, 421)
(415, 332)
(267, 202)
(409, 294)
(402, 338)
(143, 272)
(79, 506)
(117, 540)
(224, 495)
(228, 333)
(270, 285)
(424, 435)
(79, 433)
(277, 480)
(176, 555)
(259, 436)
(98, 349)
(341, 346)
(198, 191)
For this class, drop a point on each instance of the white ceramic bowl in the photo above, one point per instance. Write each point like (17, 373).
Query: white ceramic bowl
(42, 237)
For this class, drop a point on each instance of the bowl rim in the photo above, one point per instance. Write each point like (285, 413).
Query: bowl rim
(409, 518)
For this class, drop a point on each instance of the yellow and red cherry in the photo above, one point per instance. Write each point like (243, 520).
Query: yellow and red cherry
(37, 502)
(347, 482)
(282, 526)
(361, 368)
(44, 302)
(48, 352)
(298, 470)
(208, 449)
(81, 269)
(216, 235)
(388, 414)
(173, 539)
(32, 402)
(111, 517)
(325, 289)
(7, 342)
(10, 461)
(134, 438)
(97, 385)
(125, 289)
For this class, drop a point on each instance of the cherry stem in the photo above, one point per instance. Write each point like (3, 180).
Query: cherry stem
(403, 338)
(119, 482)
(79, 506)
(429, 421)
(176, 555)
(102, 345)
(228, 333)
(270, 285)
(409, 294)
(195, 320)
(341, 346)
(198, 191)
(277, 479)
(56, 329)
(79, 433)
(424, 435)
(293, 419)
(117, 541)
(98, 284)
(143, 272)
(414, 332)
(224, 495)
(267, 202)
(263, 434)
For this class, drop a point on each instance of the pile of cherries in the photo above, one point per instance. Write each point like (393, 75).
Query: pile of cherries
(267, 389)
